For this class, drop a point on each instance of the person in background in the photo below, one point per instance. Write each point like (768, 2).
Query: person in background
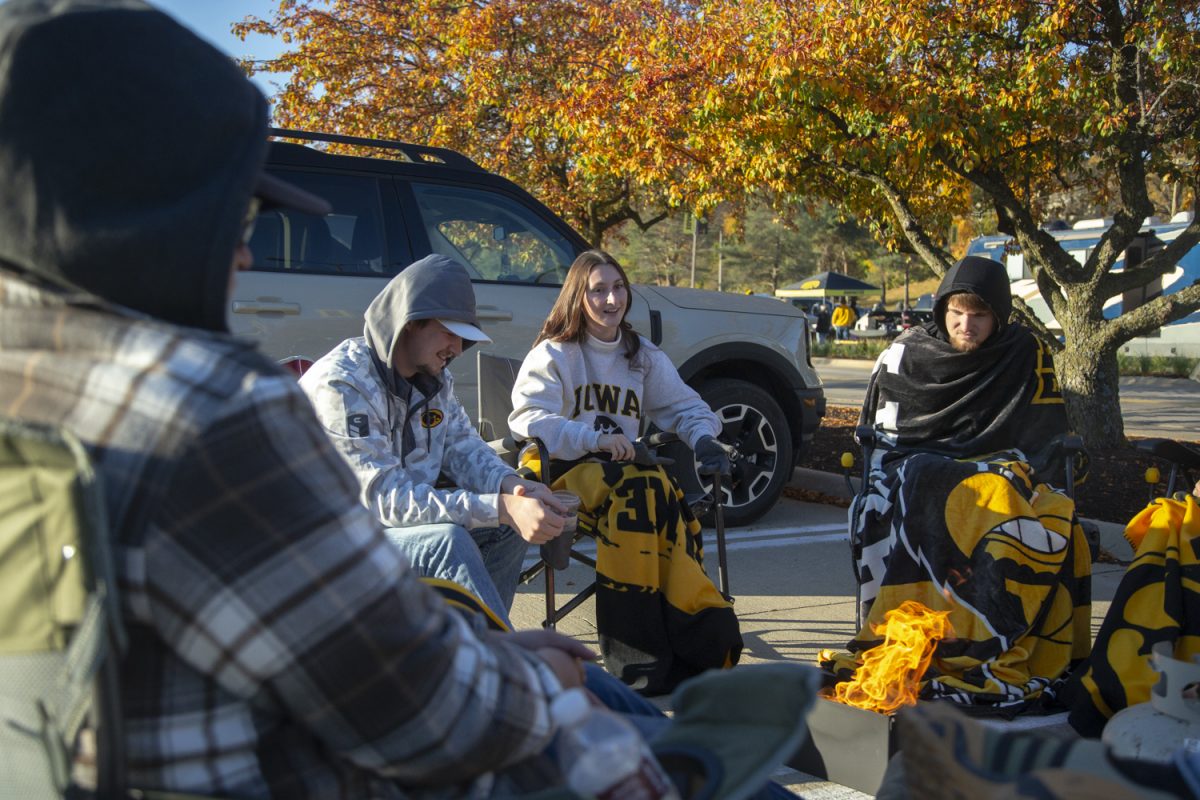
(821, 310)
(587, 387)
(843, 319)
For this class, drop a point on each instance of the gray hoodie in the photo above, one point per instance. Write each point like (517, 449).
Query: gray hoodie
(398, 435)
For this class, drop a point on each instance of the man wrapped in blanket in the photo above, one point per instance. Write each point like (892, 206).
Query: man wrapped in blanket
(960, 514)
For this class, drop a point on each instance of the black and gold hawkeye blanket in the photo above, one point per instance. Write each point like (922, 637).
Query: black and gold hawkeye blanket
(959, 517)
(1004, 556)
(659, 618)
(1158, 600)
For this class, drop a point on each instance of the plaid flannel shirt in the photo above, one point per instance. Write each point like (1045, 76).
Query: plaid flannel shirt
(279, 645)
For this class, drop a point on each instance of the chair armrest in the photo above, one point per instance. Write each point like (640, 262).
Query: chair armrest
(865, 435)
(507, 448)
(1186, 456)
(659, 438)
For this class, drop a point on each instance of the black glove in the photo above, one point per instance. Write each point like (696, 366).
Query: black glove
(714, 457)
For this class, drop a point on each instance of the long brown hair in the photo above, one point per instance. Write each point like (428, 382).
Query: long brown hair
(568, 320)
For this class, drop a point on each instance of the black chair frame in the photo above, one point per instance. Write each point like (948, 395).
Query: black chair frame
(1184, 461)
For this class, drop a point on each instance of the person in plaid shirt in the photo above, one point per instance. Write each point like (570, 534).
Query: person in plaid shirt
(280, 646)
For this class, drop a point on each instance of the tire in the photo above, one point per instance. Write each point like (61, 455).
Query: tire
(755, 424)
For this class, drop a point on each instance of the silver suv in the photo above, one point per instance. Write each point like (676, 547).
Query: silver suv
(313, 277)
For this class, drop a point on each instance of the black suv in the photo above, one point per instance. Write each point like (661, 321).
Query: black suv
(314, 276)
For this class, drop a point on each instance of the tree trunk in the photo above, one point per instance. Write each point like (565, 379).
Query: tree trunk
(594, 233)
(1088, 376)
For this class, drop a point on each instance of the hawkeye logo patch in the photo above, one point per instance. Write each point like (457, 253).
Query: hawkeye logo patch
(432, 418)
(356, 425)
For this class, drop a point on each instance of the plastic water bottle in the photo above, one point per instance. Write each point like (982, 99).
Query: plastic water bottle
(603, 755)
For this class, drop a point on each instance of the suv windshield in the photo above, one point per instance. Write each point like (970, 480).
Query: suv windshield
(497, 239)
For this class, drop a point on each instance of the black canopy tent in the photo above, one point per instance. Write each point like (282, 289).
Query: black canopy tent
(827, 284)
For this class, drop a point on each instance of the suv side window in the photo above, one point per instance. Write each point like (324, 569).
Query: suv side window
(495, 237)
(348, 241)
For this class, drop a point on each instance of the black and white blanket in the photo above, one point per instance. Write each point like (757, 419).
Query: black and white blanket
(925, 396)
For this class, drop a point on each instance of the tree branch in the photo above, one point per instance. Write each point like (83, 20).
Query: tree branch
(629, 213)
(1131, 144)
(1161, 263)
(1048, 253)
(1050, 290)
(1031, 320)
(910, 224)
(1154, 314)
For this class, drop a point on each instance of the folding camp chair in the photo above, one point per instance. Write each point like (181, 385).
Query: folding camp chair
(61, 631)
(1184, 461)
(496, 377)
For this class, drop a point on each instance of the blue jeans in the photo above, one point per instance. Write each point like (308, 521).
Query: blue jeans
(618, 697)
(647, 717)
(485, 561)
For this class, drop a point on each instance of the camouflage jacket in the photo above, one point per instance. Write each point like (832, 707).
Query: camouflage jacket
(397, 445)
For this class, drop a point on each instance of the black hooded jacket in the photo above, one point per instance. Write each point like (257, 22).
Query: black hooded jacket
(926, 396)
(974, 275)
(164, 244)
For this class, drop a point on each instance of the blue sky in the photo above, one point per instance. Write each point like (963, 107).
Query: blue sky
(211, 20)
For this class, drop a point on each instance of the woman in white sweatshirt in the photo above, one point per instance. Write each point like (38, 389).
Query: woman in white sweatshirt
(584, 391)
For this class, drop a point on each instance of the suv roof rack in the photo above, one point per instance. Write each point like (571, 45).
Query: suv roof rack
(416, 153)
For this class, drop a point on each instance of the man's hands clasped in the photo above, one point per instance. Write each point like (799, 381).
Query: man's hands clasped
(530, 509)
(563, 655)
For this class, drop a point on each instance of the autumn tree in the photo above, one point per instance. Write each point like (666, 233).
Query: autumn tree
(781, 240)
(901, 110)
(770, 250)
(492, 79)
(661, 255)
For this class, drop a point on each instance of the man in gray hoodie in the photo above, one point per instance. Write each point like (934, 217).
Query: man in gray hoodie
(386, 400)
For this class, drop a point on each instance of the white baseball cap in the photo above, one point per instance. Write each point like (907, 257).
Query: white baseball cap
(465, 330)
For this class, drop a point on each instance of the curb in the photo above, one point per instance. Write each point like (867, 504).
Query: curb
(842, 362)
(829, 483)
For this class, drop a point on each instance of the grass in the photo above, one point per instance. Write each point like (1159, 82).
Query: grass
(854, 348)
(1156, 366)
(1128, 365)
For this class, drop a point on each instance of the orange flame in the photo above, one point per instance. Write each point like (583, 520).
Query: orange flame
(891, 672)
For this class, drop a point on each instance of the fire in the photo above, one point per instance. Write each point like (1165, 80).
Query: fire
(891, 672)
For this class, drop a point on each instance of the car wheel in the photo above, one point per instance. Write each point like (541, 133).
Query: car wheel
(754, 423)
